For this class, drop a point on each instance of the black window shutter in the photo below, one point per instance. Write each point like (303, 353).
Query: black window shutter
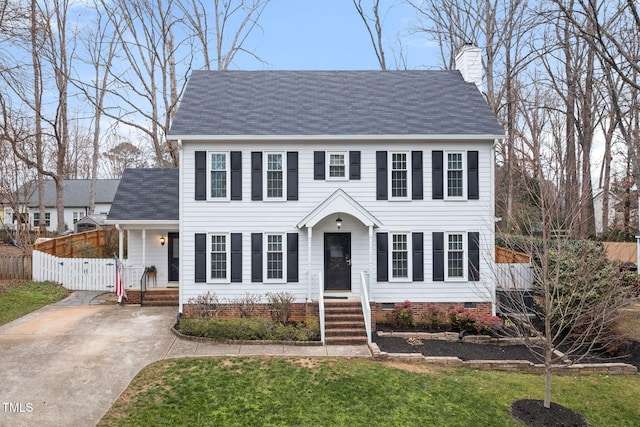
(474, 256)
(437, 175)
(236, 175)
(292, 175)
(418, 256)
(256, 176)
(473, 187)
(292, 257)
(438, 257)
(201, 258)
(381, 175)
(318, 165)
(201, 175)
(416, 175)
(256, 257)
(354, 165)
(236, 257)
(382, 243)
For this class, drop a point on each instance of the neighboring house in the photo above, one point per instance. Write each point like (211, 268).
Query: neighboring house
(292, 179)
(76, 202)
(598, 210)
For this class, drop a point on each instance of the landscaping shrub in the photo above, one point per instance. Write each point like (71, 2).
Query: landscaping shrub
(465, 320)
(434, 317)
(281, 304)
(201, 306)
(402, 316)
(254, 328)
(246, 304)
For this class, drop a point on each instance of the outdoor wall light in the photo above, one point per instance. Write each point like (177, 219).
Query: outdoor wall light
(162, 240)
(339, 222)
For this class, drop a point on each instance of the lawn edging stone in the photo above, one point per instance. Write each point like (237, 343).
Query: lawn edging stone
(522, 366)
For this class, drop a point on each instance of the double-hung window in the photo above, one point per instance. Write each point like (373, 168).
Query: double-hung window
(47, 219)
(219, 254)
(218, 176)
(400, 256)
(274, 179)
(77, 216)
(455, 256)
(275, 257)
(399, 176)
(337, 165)
(455, 175)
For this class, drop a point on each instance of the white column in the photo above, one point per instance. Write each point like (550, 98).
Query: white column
(144, 248)
(309, 276)
(370, 262)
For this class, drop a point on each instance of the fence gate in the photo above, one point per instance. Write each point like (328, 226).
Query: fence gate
(87, 274)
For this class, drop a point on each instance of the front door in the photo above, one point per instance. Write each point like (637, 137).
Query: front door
(337, 262)
(174, 257)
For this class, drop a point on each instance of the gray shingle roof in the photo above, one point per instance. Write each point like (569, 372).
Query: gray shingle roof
(76, 192)
(332, 103)
(146, 195)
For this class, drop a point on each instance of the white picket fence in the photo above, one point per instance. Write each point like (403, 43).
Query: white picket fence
(89, 274)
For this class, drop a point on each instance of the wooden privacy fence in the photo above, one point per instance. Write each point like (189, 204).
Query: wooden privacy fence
(513, 269)
(81, 245)
(15, 267)
(89, 274)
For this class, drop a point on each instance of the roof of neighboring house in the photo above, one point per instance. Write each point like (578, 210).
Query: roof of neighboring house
(146, 195)
(333, 103)
(76, 192)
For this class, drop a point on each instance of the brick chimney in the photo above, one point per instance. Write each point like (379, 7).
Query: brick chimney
(469, 63)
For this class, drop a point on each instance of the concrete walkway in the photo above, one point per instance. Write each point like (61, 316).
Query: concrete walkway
(65, 364)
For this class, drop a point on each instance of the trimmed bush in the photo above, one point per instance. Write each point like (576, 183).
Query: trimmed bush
(255, 328)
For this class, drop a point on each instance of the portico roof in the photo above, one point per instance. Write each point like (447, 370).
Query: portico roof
(339, 202)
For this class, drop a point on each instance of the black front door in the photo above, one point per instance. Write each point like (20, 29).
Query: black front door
(174, 257)
(337, 262)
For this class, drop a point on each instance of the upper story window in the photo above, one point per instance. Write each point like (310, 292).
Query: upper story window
(399, 175)
(455, 175)
(337, 165)
(455, 256)
(274, 179)
(219, 176)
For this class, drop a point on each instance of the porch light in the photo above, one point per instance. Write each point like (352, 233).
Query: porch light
(162, 240)
(339, 222)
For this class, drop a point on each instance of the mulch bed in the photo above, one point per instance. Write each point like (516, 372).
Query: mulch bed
(474, 351)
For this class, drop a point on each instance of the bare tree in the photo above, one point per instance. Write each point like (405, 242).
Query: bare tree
(374, 28)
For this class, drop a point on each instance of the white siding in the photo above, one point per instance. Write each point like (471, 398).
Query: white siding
(154, 253)
(425, 216)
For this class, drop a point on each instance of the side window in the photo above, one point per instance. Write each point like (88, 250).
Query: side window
(400, 256)
(274, 253)
(219, 257)
(455, 256)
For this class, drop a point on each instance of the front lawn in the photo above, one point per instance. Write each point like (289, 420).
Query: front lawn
(18, 298)
(313, 392)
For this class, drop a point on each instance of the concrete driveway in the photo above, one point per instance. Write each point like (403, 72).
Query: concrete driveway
(65, 364)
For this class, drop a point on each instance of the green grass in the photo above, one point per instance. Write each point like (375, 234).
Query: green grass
(313, 392)
(20, 298)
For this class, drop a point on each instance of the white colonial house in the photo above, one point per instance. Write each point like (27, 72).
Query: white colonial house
(329, 184)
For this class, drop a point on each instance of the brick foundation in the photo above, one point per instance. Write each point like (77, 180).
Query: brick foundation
(379, 315)
(300, 312)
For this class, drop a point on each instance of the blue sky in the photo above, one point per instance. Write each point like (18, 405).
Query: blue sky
(329, 35)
